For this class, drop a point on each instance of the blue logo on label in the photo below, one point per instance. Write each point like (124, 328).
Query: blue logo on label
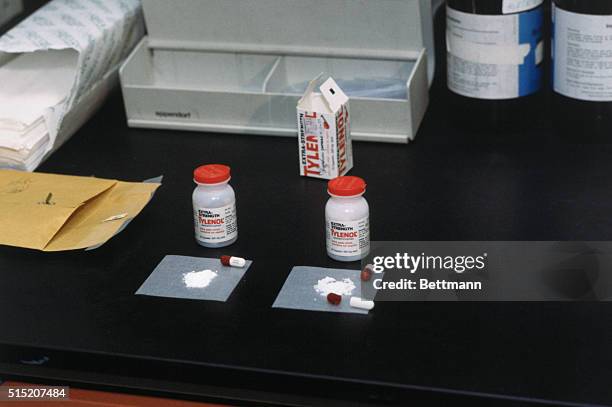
(530, 32)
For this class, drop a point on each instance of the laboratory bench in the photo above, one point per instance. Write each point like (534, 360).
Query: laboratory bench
(72, 317)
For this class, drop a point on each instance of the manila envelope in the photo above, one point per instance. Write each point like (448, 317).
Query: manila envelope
(60, 212)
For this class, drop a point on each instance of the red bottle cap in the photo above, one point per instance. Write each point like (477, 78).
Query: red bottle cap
(346, 186)
(211, 174)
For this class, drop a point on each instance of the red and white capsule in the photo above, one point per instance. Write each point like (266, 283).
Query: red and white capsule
(231, 261)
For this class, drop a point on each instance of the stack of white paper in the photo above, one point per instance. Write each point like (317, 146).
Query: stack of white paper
(32, 83)
(52, 66)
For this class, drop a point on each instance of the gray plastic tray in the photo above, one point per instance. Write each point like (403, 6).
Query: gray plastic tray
(240, 66)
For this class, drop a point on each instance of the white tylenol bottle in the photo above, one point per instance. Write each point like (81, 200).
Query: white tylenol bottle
(347, 219)
(214, 206)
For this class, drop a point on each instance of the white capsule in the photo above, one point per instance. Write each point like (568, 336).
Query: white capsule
(237, 261)
(360, 303)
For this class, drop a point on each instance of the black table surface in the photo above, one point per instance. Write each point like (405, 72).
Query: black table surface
(73, 316)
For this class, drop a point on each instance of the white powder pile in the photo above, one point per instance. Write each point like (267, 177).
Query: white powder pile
(199, 279)
(331, 285)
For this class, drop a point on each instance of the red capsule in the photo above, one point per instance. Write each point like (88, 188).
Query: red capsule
(225, 260)
(366, 273)
(334, 298)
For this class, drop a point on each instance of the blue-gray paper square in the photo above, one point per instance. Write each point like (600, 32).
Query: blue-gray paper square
(299, 291)
(167, 280)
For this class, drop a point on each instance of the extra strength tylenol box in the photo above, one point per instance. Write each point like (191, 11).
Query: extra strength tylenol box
(324, 131)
